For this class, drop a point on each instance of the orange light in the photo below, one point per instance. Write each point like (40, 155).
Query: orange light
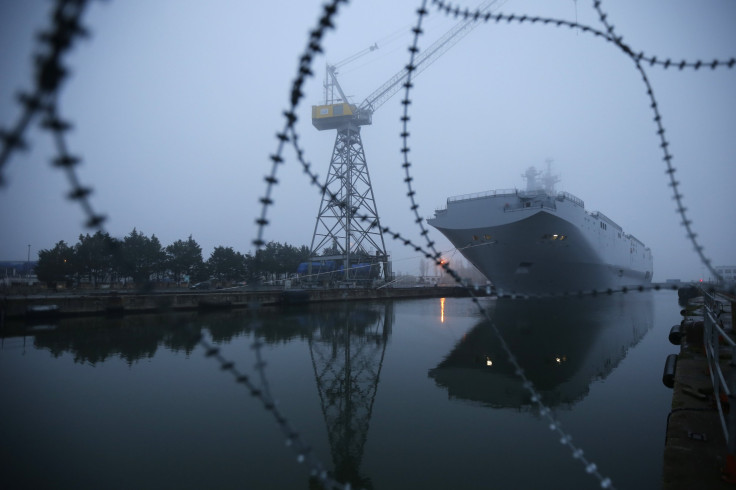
(442, 310)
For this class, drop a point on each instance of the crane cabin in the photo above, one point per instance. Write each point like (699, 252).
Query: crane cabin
(336, 116)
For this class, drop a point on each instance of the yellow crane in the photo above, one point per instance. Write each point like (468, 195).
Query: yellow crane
(347, 235)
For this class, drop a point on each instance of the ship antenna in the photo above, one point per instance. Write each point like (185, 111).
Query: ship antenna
(549, 179)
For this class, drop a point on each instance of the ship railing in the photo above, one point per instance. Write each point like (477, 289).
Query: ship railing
(536, 193)
(481, 195)
(526, 205)
(634, 239)
(714, 338)
(573, 199)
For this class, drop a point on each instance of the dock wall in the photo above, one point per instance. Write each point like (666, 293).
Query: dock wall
(114, 302)
(696, 451)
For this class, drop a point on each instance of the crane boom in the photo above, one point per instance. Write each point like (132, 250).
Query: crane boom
(432, 53)
(333, 115)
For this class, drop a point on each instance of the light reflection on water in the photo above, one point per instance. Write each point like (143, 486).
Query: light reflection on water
(389, 395)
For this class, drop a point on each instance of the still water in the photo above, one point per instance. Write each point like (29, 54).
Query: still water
(389, 395)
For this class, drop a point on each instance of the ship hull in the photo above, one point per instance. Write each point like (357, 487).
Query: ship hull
(542, 244)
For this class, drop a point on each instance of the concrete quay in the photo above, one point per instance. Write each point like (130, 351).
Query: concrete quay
(696, 452)
(39, 306)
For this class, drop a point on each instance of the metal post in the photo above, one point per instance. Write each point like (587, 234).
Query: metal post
(729, 469)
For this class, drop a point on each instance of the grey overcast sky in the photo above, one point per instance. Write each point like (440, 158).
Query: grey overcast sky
(176, 104)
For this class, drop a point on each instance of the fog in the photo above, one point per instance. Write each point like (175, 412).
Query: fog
(176, 105)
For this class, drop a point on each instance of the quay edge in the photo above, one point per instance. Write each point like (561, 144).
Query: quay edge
(696, 452)
(118, 303)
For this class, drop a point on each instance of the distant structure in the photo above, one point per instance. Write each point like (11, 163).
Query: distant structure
(727, 272)
(347, 236)
(548, 180)
(17, 272)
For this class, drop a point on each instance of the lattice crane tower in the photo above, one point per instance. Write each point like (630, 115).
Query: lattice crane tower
(348, 227)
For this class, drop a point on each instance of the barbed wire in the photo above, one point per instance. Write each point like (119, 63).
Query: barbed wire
(288, 133)
(55, 42)
(304, 71)
(66, 28)
(294, 440)
(457, 11)
(291, 134)
(664, 144)
(477, 15)
(67, 162)
(610, 36)
(50, 72)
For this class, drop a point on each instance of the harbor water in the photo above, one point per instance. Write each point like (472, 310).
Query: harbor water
(388, 395)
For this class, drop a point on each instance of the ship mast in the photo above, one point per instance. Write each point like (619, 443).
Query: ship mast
(549, 179)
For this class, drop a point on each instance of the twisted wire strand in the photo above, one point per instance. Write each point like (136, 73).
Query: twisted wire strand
(610, 35)
(67, 162)
(294, 440)
(457, 11)
(304, 71)
(536, 398)
(51, 72)
(290, 134)
(664, 144)
(56, 42)
(314, 47)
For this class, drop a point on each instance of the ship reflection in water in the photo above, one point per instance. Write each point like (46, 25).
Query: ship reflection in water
(563, 345)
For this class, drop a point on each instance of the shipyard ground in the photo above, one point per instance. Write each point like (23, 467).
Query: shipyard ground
(695, 453)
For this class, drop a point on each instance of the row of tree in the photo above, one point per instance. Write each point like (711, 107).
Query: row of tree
(100, 258)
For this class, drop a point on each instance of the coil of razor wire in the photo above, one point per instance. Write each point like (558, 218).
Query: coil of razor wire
(610, 36)
(50, 72)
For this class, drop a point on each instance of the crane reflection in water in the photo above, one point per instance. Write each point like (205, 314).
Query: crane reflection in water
(347, 352)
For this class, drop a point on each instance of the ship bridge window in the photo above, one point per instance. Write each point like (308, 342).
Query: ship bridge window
(603, 225)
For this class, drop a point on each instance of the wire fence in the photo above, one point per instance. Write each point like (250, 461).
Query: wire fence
(66, 29)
